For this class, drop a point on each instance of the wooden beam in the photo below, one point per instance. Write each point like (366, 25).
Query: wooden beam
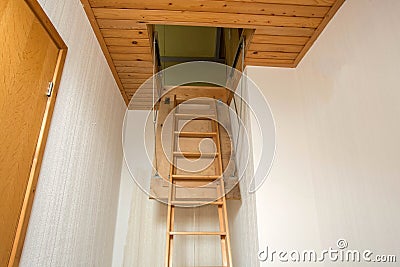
(130, 42)
(135, 75)
(133, 80)
(135, 64)
(134, 57)
(117, 49)
(121, 33)
(120, 24)
(232, 82)
(134, 69)
(293, 2)
(287, 63)
(286, 31)
(248, 35)
(204, 18)
(99, 36)
(275, 39)
(275, 55)
(235, 7)
(231, 39)
(319, 30)
(275, 47)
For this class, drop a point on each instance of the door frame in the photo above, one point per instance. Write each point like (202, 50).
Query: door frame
(44, 130)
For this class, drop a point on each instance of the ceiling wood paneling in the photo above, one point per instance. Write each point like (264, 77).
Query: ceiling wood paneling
(284, 30)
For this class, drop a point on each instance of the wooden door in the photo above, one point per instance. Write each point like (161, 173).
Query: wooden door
(30, 58)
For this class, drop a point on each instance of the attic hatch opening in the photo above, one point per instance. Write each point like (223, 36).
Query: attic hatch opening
(179, 44)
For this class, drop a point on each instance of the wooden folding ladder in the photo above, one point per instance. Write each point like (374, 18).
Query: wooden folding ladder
(182, 180)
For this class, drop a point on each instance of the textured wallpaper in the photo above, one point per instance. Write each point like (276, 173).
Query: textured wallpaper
(74, 212)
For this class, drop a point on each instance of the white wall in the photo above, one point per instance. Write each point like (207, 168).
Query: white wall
(73, 216)
(136, 213)
(242, 214)
(337, 170)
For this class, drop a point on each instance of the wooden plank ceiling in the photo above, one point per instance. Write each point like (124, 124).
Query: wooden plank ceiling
(284, 30)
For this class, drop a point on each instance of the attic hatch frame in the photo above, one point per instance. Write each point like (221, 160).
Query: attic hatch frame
(220, 50)
(237, 63)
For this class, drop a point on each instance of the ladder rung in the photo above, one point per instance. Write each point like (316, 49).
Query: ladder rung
(198, 233)
(196, 134)
(192, 203)
(194, 116)
(197, 101)
(195, 177)
(195, 154)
